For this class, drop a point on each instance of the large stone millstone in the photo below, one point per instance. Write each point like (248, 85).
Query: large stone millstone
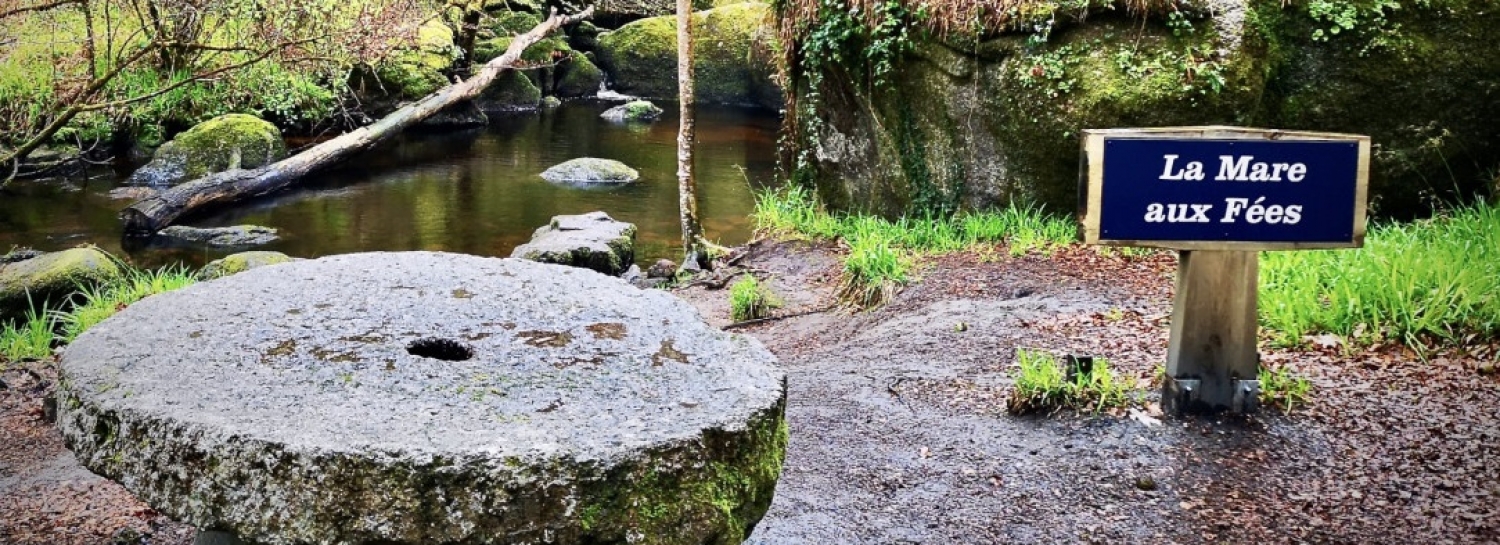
(284, 405)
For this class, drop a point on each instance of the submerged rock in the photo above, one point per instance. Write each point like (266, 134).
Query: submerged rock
(133, 193)
(639, 110)
(422, 397)
(237, 263)
(52, 277)
(223, 143)
(589, 170)
(461, 115)
(641, 57)
(238, 235)
(591, 241)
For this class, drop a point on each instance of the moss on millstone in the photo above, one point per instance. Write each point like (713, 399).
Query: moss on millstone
(222, 143)
(578, 77)
(415, 73)
(237, 263)
(725, 498)
(52, 278)
(641, 57)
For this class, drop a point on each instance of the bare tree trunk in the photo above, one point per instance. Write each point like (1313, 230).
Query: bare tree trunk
(687, 191)
(151, 215)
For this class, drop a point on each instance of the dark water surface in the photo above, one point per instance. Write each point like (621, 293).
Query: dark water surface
(473, 191)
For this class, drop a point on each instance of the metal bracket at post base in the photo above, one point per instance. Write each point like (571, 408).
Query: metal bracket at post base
(1184, 395)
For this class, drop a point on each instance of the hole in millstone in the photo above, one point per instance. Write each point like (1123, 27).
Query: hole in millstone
(440, 349)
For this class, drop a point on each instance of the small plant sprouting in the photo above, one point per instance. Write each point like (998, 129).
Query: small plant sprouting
(1281, 388)
(1043, 385)
(749, 299)
(31, 338)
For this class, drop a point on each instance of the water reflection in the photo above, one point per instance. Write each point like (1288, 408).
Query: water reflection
(472, 191)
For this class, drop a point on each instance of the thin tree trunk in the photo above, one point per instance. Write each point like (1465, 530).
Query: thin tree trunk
(687, 191)
(151, 215)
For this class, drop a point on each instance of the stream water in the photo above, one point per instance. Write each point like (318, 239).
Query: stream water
(474, 191)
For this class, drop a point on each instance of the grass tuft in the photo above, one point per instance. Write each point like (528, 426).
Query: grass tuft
(1043, 385)
(30, 339)
(1281, 388)
(101, 302)
(749, 299)
(1431, 280)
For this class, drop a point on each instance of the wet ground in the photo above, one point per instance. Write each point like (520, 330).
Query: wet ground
(898, 433)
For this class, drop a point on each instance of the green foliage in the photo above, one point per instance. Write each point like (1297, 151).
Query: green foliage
(29, 339)
(1279, 387)
(1041, 384)
(103, 301)
(881, 251)
(1336, 16)
(749, 299)
(1434, 279)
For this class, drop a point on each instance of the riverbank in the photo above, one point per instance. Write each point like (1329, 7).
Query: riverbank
(898, 429)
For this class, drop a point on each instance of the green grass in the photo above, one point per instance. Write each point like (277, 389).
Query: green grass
(749, 299)
(1279, 387)
(29, 339)
(882, 252)
(105, 300)
(1042, 384)
(1414, 283)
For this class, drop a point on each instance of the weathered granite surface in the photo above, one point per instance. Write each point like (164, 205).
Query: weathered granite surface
(284, 404)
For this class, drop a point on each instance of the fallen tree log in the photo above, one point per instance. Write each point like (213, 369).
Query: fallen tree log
(150, 215)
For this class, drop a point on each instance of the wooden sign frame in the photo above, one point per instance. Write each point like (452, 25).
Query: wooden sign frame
(1091, 183)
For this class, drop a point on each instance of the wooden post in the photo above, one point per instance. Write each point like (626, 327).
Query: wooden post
(1212, 363)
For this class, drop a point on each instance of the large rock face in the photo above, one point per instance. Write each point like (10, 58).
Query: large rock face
(226, 142)
(591, 241)
(49, 278)
(982, 120)
(420, 398)
(729, 52)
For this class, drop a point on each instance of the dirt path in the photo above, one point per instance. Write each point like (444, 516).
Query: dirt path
(898, 432)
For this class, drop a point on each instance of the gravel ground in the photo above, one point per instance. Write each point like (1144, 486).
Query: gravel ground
(899, 436)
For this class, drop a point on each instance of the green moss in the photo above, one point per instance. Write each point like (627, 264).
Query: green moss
(418, 72)
(579, 77)
(510, 23)
(241, 262)
(725, 498)
(641, 57)
(51, 278)
(510, 92)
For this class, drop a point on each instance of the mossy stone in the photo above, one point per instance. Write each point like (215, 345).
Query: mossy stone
(52, 278)
(510, 92)
(241, 262)
(578, 77)
(638, 110)
(226, 142)
(416, 73)
(641, 57)
(511, 23)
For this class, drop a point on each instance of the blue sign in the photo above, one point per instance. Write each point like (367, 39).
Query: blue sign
(1266, 191)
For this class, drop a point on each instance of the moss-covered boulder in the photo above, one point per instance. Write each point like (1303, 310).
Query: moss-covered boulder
(51, 278)
(511, 23)
(637, 110)
(994, 117)
(546, 52)
(578, 77)
(589, 170)
(584, 36)
(222, 143)
(237, 263)
(419, 70)
(729, 51)
(511, 92)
